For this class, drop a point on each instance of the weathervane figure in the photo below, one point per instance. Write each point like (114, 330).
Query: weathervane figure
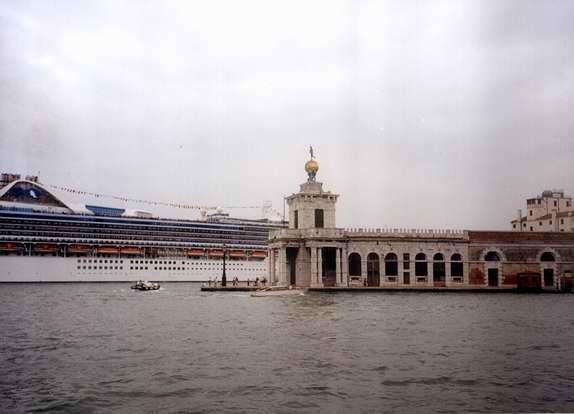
(311, 151)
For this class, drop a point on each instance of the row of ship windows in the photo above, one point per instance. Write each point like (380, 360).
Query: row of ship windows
(167, 262)
(123, 224)
(136, 228)
(122, 236)
(155, 268)
(40, 227)
(101, 267)
(99, 261)
(154, 262)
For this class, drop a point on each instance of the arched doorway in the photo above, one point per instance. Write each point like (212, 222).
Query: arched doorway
(492, 260)
(391, 266)
(547, 263)
(438, 269)
(291, 254)
(329, 255)
(355, 268)
(456, 267)
(421, 267)
(373, 272)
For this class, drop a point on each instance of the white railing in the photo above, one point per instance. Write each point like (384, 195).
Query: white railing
(372, 232)
(404, 232)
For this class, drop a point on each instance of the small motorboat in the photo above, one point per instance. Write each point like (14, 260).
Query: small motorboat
(278, 291)
(145, 285)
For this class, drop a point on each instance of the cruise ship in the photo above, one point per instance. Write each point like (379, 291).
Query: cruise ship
(44, 239)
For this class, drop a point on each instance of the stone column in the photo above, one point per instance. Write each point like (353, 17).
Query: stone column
(282, 265)
(338, 268)
(313, 281)
(430, 277)
(447, 277)
(319, 267)
(345, 262)
(273, 266)
(270, 265)
(364, 272)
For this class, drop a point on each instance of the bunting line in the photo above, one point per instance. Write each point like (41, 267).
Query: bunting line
(140, 201)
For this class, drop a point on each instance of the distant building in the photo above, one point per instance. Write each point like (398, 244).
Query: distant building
(314, 253)
(551, 211)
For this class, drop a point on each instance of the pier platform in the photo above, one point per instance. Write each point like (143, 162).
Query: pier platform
(239, 287)
(229, 288)
(365, 289)
(381, 289)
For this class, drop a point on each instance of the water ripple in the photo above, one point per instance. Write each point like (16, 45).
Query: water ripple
(103, 348)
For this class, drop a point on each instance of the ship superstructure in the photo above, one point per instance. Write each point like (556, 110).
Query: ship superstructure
(42, 238)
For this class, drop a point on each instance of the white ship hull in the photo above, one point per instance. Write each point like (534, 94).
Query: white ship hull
(98, 269)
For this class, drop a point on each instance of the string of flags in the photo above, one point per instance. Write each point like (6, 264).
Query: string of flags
(140, 201)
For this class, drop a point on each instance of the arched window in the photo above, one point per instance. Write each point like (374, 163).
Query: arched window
(421, 268)
(354, 264)
(438, 270)
(456, 269)
(492, 257)
(547, 257)
(373, 270)
(391, 265)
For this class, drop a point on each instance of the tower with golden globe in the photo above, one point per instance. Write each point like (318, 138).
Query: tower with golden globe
(296, 257)
(312, 207)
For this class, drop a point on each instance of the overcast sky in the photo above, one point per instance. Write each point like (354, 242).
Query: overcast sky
(421, 113)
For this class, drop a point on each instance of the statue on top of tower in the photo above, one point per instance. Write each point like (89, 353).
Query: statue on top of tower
(311, 166)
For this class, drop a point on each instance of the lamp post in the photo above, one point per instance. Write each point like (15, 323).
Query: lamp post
(223, 276)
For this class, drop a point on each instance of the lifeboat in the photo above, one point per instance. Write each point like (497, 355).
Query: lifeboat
(45, 248)
(78, 249)
(131, 250)
(196, 252)
(259, 254)
(216, 253)
(237, 253)
(11, 247)
(107, 250)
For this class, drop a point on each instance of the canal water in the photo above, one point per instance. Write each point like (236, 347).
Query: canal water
(104, 348)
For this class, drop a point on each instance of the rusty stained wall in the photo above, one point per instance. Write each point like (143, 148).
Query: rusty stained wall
(517, 253)
(519, 259)
(508, 273)
(476, 275)
(526, 254)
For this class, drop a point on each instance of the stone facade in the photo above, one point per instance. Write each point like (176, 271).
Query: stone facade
(304, 204)
(312, 252)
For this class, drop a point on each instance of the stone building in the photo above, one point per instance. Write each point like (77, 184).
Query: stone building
(313, 252)
(551, 211)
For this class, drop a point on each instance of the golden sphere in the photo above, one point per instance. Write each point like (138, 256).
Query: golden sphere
(311, 166)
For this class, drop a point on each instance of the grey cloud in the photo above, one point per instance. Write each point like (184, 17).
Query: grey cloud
(436, 114)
